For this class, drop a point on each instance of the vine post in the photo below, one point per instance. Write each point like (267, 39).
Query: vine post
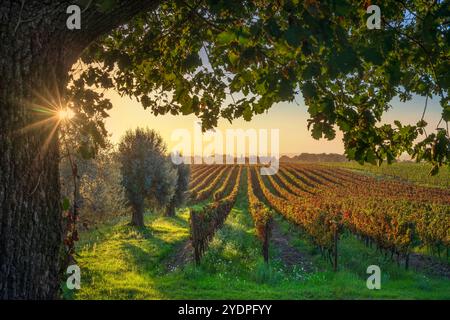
(194, 240)
(335, 245)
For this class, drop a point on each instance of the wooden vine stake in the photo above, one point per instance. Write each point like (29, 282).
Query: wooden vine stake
(335, 245)
(194, 240)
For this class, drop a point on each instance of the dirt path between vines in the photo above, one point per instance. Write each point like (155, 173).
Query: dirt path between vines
(429, 265)
(183, 255)
(290, 255)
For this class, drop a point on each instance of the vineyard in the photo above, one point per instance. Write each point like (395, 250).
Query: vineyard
(394, 217)
(263, 229)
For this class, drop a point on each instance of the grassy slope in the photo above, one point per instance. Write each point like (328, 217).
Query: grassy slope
(120, 262)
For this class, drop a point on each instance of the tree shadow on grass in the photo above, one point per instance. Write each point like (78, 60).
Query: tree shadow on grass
(141, 259)
(153, 250)
(178, 221)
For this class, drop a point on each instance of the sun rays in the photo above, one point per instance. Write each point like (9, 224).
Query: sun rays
(50, 112)
(66, 114)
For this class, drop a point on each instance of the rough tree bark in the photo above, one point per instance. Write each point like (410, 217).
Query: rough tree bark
(36, 53)
(137, 218)
(171, 209)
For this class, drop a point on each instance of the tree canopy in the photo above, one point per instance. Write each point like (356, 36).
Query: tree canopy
(181, 190)
(147, 174)
(234, 59)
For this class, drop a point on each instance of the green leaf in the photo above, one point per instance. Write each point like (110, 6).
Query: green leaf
(273, 28)
(65, 204)
(146, 101)
(293, 36)
(192, 61)
(285, 90)
(316, 132)
(186, 108)
(374, 56)
(233, 57)
(446, 113)
(308, 90)
(247, 114)
(311, 70)
(226, 37)
(434, 171)
(344, 125)
(106, 5)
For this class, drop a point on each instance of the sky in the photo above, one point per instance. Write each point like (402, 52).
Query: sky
(289, 118)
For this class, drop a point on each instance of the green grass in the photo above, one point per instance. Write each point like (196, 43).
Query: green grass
(355, 257)
(118, 261)
(414, 172)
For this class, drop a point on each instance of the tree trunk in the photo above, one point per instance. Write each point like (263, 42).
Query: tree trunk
(170, 210)
(265, 246)
(34, 68)
(265, 249)
(194, 240)
(407, 261)
(36, 53)
(335, 249)
(137, 218)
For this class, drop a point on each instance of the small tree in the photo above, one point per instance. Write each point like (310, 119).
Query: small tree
(147, 175)
(101, 194)
(179, 197)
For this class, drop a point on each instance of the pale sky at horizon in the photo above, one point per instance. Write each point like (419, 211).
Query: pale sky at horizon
(289, 118)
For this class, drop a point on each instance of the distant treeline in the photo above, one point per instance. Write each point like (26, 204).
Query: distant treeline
(303, 157)
(315, 157)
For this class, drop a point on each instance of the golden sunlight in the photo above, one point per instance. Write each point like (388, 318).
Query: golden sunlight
(65, 114)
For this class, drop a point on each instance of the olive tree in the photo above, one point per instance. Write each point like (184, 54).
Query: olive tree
(180, 194)
(101, 193)
(147, 175)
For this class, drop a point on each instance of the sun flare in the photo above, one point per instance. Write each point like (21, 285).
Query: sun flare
(65, 114)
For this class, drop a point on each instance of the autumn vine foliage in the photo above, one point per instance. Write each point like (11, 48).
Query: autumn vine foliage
(200, 176)
(220, 192)
(206, 221)
(203, 190)
(261, 214)
(319, 219)
(394, 216)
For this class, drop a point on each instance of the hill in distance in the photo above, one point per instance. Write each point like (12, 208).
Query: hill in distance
(315, 157)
